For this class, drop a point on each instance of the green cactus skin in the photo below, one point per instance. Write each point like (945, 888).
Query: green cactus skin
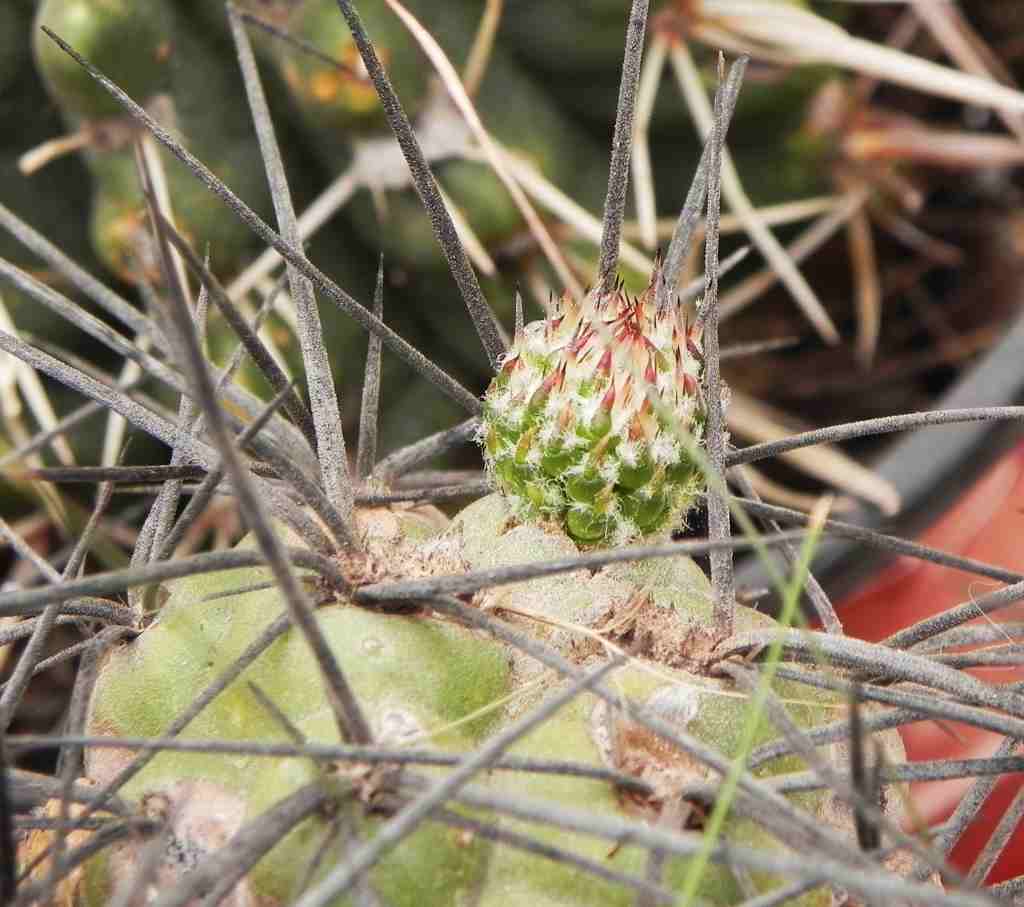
(573, 43)
(568, 38)
(403, 231)
(344, 102)
(569, 431)
(581, 37)
(411, 674)
(518, 111)
(126, 39)
(587, 731)
(119, 219)
(417, 675)
(519, 878)
(579, 483)
(55, 212)
(192, 87)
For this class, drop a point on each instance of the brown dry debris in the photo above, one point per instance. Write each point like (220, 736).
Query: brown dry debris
(389, 554)
(648, 630)
(646, 756)
(200, 818)
(40, 841)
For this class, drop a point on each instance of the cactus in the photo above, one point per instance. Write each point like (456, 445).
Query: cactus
(155, 53)
(363, 700)
(422, 679)
(129, 40)
(583, 422)
(415, 676)
(519, 113)
(337, 101)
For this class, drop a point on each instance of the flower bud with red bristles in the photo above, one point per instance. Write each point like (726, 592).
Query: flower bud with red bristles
(588, 429)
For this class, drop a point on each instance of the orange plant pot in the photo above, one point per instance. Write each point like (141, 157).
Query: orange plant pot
(986, 523)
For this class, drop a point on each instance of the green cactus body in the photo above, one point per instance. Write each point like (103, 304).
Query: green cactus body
(669, 683)
(582, 423)
(520, 114)
(158, 58)
(574, 42)
(403, 230)
(569, 37)
(119, 221)
(55, 212)
(126, 39)
(586, 732)
(426, 682)
(413, 676)
(585, 431)
(341, 101)
(582, 37)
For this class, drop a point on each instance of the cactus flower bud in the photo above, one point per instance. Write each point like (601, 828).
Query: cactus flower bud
(584, 421)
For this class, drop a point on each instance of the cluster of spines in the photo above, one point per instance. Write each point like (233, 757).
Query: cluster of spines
(585, 422)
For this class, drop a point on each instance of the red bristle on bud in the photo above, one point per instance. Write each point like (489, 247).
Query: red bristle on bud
(566, 417)
(540, 396)
(557, 377)
(627, 390)
(636, 429)
(608, 400)
(650, 373)
(604, 366)
(689, 384)
(580, 337)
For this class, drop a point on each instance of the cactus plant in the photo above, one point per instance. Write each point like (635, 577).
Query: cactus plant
(286, 690)
(581, 424)
(418, 679)
(155, 52)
